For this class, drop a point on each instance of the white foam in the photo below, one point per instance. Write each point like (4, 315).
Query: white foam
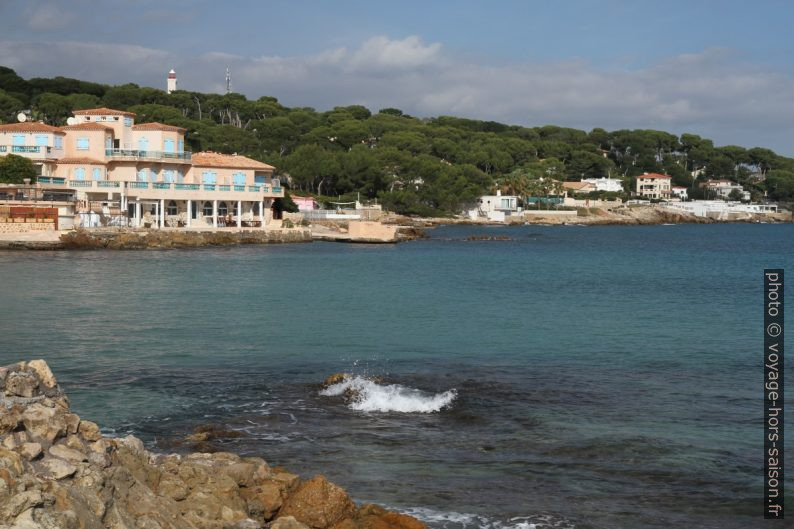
(370, 396)
(459, 520)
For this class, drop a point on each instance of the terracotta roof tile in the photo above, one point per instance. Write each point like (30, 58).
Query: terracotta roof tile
(88, 126)
(80, 160)
(32, 126)
(158, 126)
(655, 175)
(103, 111)
(230, 161)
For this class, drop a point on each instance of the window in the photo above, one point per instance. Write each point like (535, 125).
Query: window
(239, 179)
(168, 146)
(58, 142)
(82, 144)
(209, 177)
(128, 122)
(142, 175)
(223, 209)
(18, 139)
(207, 209)
(171, 208)
(115, 118)
(152, 175)
(42, 140)
(79, 173)
(259, 179)
(168, 176)
(234, 209)
(108, 142)
(96, 174)
(255, 209)
(143, 144)
(88, 118)
(181, 145)
(180, 178)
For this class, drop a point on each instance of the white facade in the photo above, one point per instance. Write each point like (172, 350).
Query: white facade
(720, 209)
(506, 204)
(723, 188)
(680, 192)
(653, 185)
(611, 185)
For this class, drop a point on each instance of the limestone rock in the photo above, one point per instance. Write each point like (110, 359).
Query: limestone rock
(43, 422)
(89, 431)
(336, 378)
(68, 454)
(29, 451)
(287, 522)
(21, 384)
(318, 503)
(43, 371)
(263, 500)
(57, 468)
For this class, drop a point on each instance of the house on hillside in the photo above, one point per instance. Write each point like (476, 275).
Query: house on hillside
(723, 189)
(654, 185)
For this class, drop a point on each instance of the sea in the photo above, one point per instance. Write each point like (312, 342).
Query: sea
(590, 377)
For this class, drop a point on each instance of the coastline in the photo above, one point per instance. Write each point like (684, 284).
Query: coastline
(58, 470)
(393, 229)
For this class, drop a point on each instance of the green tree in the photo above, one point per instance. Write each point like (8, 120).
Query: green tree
(14, 169)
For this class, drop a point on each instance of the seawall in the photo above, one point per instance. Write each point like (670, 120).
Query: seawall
(57, 470)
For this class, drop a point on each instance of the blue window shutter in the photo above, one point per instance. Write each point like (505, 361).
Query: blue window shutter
(259, 179)
(168, 146)
(58, 142)
(142, 175)
(19, 139)
(143, 144)
(239, 179)
(97, 174)
(42, 140)
(82, 144)
(181, 145)
(180, 178)
(152, 175)
(79, 173)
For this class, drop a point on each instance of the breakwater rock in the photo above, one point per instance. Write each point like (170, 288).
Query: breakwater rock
(58, 471)
(164, 239)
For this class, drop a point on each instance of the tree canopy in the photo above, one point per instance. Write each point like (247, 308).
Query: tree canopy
(424, 166)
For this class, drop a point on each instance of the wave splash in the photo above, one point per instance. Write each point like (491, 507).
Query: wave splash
(367, 395)
(456, 520)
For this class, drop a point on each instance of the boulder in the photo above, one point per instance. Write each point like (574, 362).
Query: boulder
(44, 423)
(287, 522)
(67, 454)
(21, 384)
(336, 378)
(56, 468)
(264, 500)
(29, 451)
(318, 503)
(89, 431)
(44, 373)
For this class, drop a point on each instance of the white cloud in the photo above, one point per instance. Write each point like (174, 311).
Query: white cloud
(714, 93)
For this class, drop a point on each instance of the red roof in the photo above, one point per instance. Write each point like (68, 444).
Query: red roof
(32, 126)
(655, 175)
(158, 126)
(103, 111)
(88, 126)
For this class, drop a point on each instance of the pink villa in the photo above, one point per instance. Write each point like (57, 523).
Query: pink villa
(305, 203)
(654, 185)
(103, 156)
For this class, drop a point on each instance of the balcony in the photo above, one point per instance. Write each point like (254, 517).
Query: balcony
(126, 154)
(50, 180)
(39, 151)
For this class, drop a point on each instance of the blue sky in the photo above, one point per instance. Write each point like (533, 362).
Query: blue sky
(717, 68)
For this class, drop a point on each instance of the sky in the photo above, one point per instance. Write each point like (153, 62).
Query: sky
(718, 68)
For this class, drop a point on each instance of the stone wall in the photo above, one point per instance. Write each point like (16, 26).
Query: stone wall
(20, 225)
(371, 231)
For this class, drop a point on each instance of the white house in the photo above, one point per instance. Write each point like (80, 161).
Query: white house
(723, 188)
(680, 191)
(611, 185)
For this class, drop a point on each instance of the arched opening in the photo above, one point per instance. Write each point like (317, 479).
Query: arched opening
(223, 209)
(171, 209)
(207, 210)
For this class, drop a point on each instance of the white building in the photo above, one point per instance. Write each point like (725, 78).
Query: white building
(723, 188)
(611, 185)
(496, 207)
(721, 210)
(680, 192)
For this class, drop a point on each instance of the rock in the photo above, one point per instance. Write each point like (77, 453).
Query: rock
(287, 522)
(46, 377)
(68, 454)
(375, 517)
(57, 468)
(72, 423)
(89, 431)
(43, 422)
(264, 500)
(172, 487)
(21, 384)
(318, 503)
(336, 378)
(19, 503)
(9, 418)
(29, 451)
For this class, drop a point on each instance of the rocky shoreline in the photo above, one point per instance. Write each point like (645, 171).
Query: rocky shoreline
(58, 471)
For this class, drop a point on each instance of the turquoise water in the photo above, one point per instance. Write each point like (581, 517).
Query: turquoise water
(604, 377)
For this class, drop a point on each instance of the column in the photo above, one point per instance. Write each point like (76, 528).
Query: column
(137, 214)
(262, 213)
(189, 212)
(239, 214)
(162, 213)
(214, 213)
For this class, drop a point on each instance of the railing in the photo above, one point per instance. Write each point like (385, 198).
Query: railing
(209, 187)
(159, 185)
(50, 180)
(81, 183)
(276, 189)
(187, 187)
(138, 185)
(224, 188)
(106, 183)
(239, 188)
(254, 189)
(26, 148)
(3, 148)
(158, 155)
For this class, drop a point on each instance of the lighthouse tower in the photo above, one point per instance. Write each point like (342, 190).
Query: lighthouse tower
(171, 81)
